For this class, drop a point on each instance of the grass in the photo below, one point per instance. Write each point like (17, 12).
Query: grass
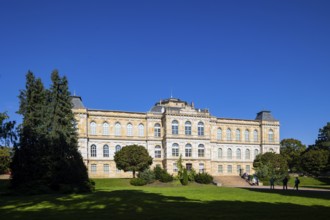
(309, 182)
(117, 199)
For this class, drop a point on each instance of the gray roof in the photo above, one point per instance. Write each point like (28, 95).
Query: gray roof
(265, 116)
(77, 102)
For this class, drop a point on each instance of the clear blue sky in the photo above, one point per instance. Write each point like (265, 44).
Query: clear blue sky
(233, 57)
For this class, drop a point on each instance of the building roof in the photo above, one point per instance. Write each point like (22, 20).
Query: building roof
(265, 116)
(77, 102)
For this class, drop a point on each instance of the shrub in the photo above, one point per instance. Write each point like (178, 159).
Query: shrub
(203, 178)
(184, 180)
(191, 175)
(165, 177)
(158, 171)
(138, 182)
(147, 175)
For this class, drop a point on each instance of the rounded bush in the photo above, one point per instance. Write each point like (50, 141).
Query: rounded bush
(203, 178)
(138, 182)
(165, 177)
(147, 175)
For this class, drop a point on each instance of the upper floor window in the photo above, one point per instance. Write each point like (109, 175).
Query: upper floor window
(201, 150)
(141, 130)
(256, 152)
(175, 127)
(228, 134)
(157, 130)
(247, 135)
(118, 148)
(229, 153)
(105, 128)
(238, 153)
(158, 152)
(188, 150)
(238, 135)
(93, 128)
(219, 134)
(200, 129)
(219, 153)
(117, 129)
(187, 128)
(129, 129)
(93, 151)
(270, 135)
(255, 136)
(105, 151)
(175, 150)
(247, 154)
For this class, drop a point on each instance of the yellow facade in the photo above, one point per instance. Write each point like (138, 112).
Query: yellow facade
(219, 146)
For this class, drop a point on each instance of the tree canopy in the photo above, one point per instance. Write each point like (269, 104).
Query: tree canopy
(291, 150)
(133, 158)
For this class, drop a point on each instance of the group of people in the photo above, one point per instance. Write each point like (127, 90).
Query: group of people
(285, 183)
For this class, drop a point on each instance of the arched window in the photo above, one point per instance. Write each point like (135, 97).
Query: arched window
(229, 153)
(105, 128)
(93, 128)
(219, 134)
(238, 135)
(228, 134)
(247, 135)
(255, 136)
(219, 153)
(256, 152)
(247, 154)
(93, 151)
(175, 150)
(141, 130)
(187, 128)
(118, 148)
(238, 153)
(158, 152)
(129, 129)
(157, 130)
(105, 151)
(200, 129)
(175, 127)
(201, 150)
(117, 129)
(188, 150)
(270, 135)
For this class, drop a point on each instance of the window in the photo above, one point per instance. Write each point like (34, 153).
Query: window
(247, 135)
(220, 169)
(201, 168)
(255, 136)
(118, 148)
(238, 153)
(187, 128)
(158, 152)
(247, 169)
(93, 128)
(175, 150)
(219, 134)
(105, 151)
(117, 129)
(188, 166)
(228, 134)
(175, 127)
(175, 167)
(229, 169)
(129, 129)
(93, 168)
(201, 150)
(93, 151)
(238, 135)
(271, 135)
(219, 153)
(105, 128)
(256, 152)
(200, 129)
(188, 150)
(229, 153)
(141, 130)
(106, 168)
(157, 130)
(238, 169)
(247, 154)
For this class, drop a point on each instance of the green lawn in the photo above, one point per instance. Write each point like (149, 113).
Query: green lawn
(116, 199)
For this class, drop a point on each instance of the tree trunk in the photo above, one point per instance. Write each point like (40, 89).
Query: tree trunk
(133, 173)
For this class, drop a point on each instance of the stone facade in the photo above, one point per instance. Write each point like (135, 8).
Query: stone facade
(219, 146)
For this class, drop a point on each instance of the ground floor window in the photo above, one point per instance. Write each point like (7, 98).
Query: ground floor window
(247, 168)
(93, 168)
(220, 169)
(175, 167)
(106, 168)
(201, 168)
(229, 169)
(188, 166)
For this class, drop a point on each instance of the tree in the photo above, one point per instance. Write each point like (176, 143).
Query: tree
(5, 159)
(7, 137)
(314, 161)
(270, 165)
(291, 150)
(133, 158)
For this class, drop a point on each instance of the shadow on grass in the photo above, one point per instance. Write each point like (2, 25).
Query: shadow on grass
(136, 204)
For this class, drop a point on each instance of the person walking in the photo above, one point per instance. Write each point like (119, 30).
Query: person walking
(285, 183)
(272, 182)
(296, 183)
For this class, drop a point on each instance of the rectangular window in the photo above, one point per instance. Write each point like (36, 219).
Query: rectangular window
(201, 168)
(188, 152)
(175, 167)
(188, 130)
(175, 152)
(220, 169)
(157, 132)
(201, 152)
(188, 166)
(200, 131)
(93, 168)
(247, 168)
(229, 169)
(175, 129)
(106, 168)
(238, 170)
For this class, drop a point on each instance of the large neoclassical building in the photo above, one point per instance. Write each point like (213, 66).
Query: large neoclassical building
(219, 146)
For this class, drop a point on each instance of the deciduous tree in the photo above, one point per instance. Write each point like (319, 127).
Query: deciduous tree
(291, 150)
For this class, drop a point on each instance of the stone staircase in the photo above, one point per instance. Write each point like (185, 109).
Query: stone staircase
(230, 181)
